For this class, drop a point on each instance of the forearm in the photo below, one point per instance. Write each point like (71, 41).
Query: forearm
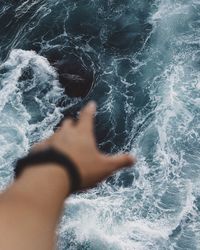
(31, 207)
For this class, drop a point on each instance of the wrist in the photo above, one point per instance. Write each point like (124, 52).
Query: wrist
(46, 187)
(50, 176)
(50, 157)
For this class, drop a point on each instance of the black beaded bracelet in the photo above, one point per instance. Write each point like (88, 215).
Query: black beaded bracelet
(50, 156)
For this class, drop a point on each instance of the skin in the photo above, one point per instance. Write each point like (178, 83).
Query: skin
(31, 207)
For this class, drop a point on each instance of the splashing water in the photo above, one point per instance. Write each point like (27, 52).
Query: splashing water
(145, 60)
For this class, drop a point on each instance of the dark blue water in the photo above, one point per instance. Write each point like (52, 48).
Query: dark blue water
(140, 61)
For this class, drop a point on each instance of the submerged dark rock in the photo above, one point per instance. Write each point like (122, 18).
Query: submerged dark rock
(74, 75)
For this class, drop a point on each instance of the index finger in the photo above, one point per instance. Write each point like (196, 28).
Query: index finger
(86, 117)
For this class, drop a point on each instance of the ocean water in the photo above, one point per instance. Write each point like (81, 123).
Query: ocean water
(142, 59)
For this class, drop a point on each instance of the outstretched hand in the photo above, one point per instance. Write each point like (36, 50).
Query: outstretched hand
(77, 141)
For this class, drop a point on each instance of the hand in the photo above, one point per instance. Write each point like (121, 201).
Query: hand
(77, 141)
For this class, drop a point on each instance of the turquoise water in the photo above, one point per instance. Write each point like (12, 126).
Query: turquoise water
(143, 58)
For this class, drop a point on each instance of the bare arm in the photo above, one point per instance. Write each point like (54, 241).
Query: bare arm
(31, 207)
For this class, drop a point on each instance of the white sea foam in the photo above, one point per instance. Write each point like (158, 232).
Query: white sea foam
(16, 129)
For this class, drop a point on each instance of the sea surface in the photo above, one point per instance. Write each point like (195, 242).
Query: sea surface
(140, 61)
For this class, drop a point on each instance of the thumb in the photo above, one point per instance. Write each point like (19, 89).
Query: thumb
(121, 160)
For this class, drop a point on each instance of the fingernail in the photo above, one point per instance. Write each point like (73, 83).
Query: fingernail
(132, 159)
(92, 105)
